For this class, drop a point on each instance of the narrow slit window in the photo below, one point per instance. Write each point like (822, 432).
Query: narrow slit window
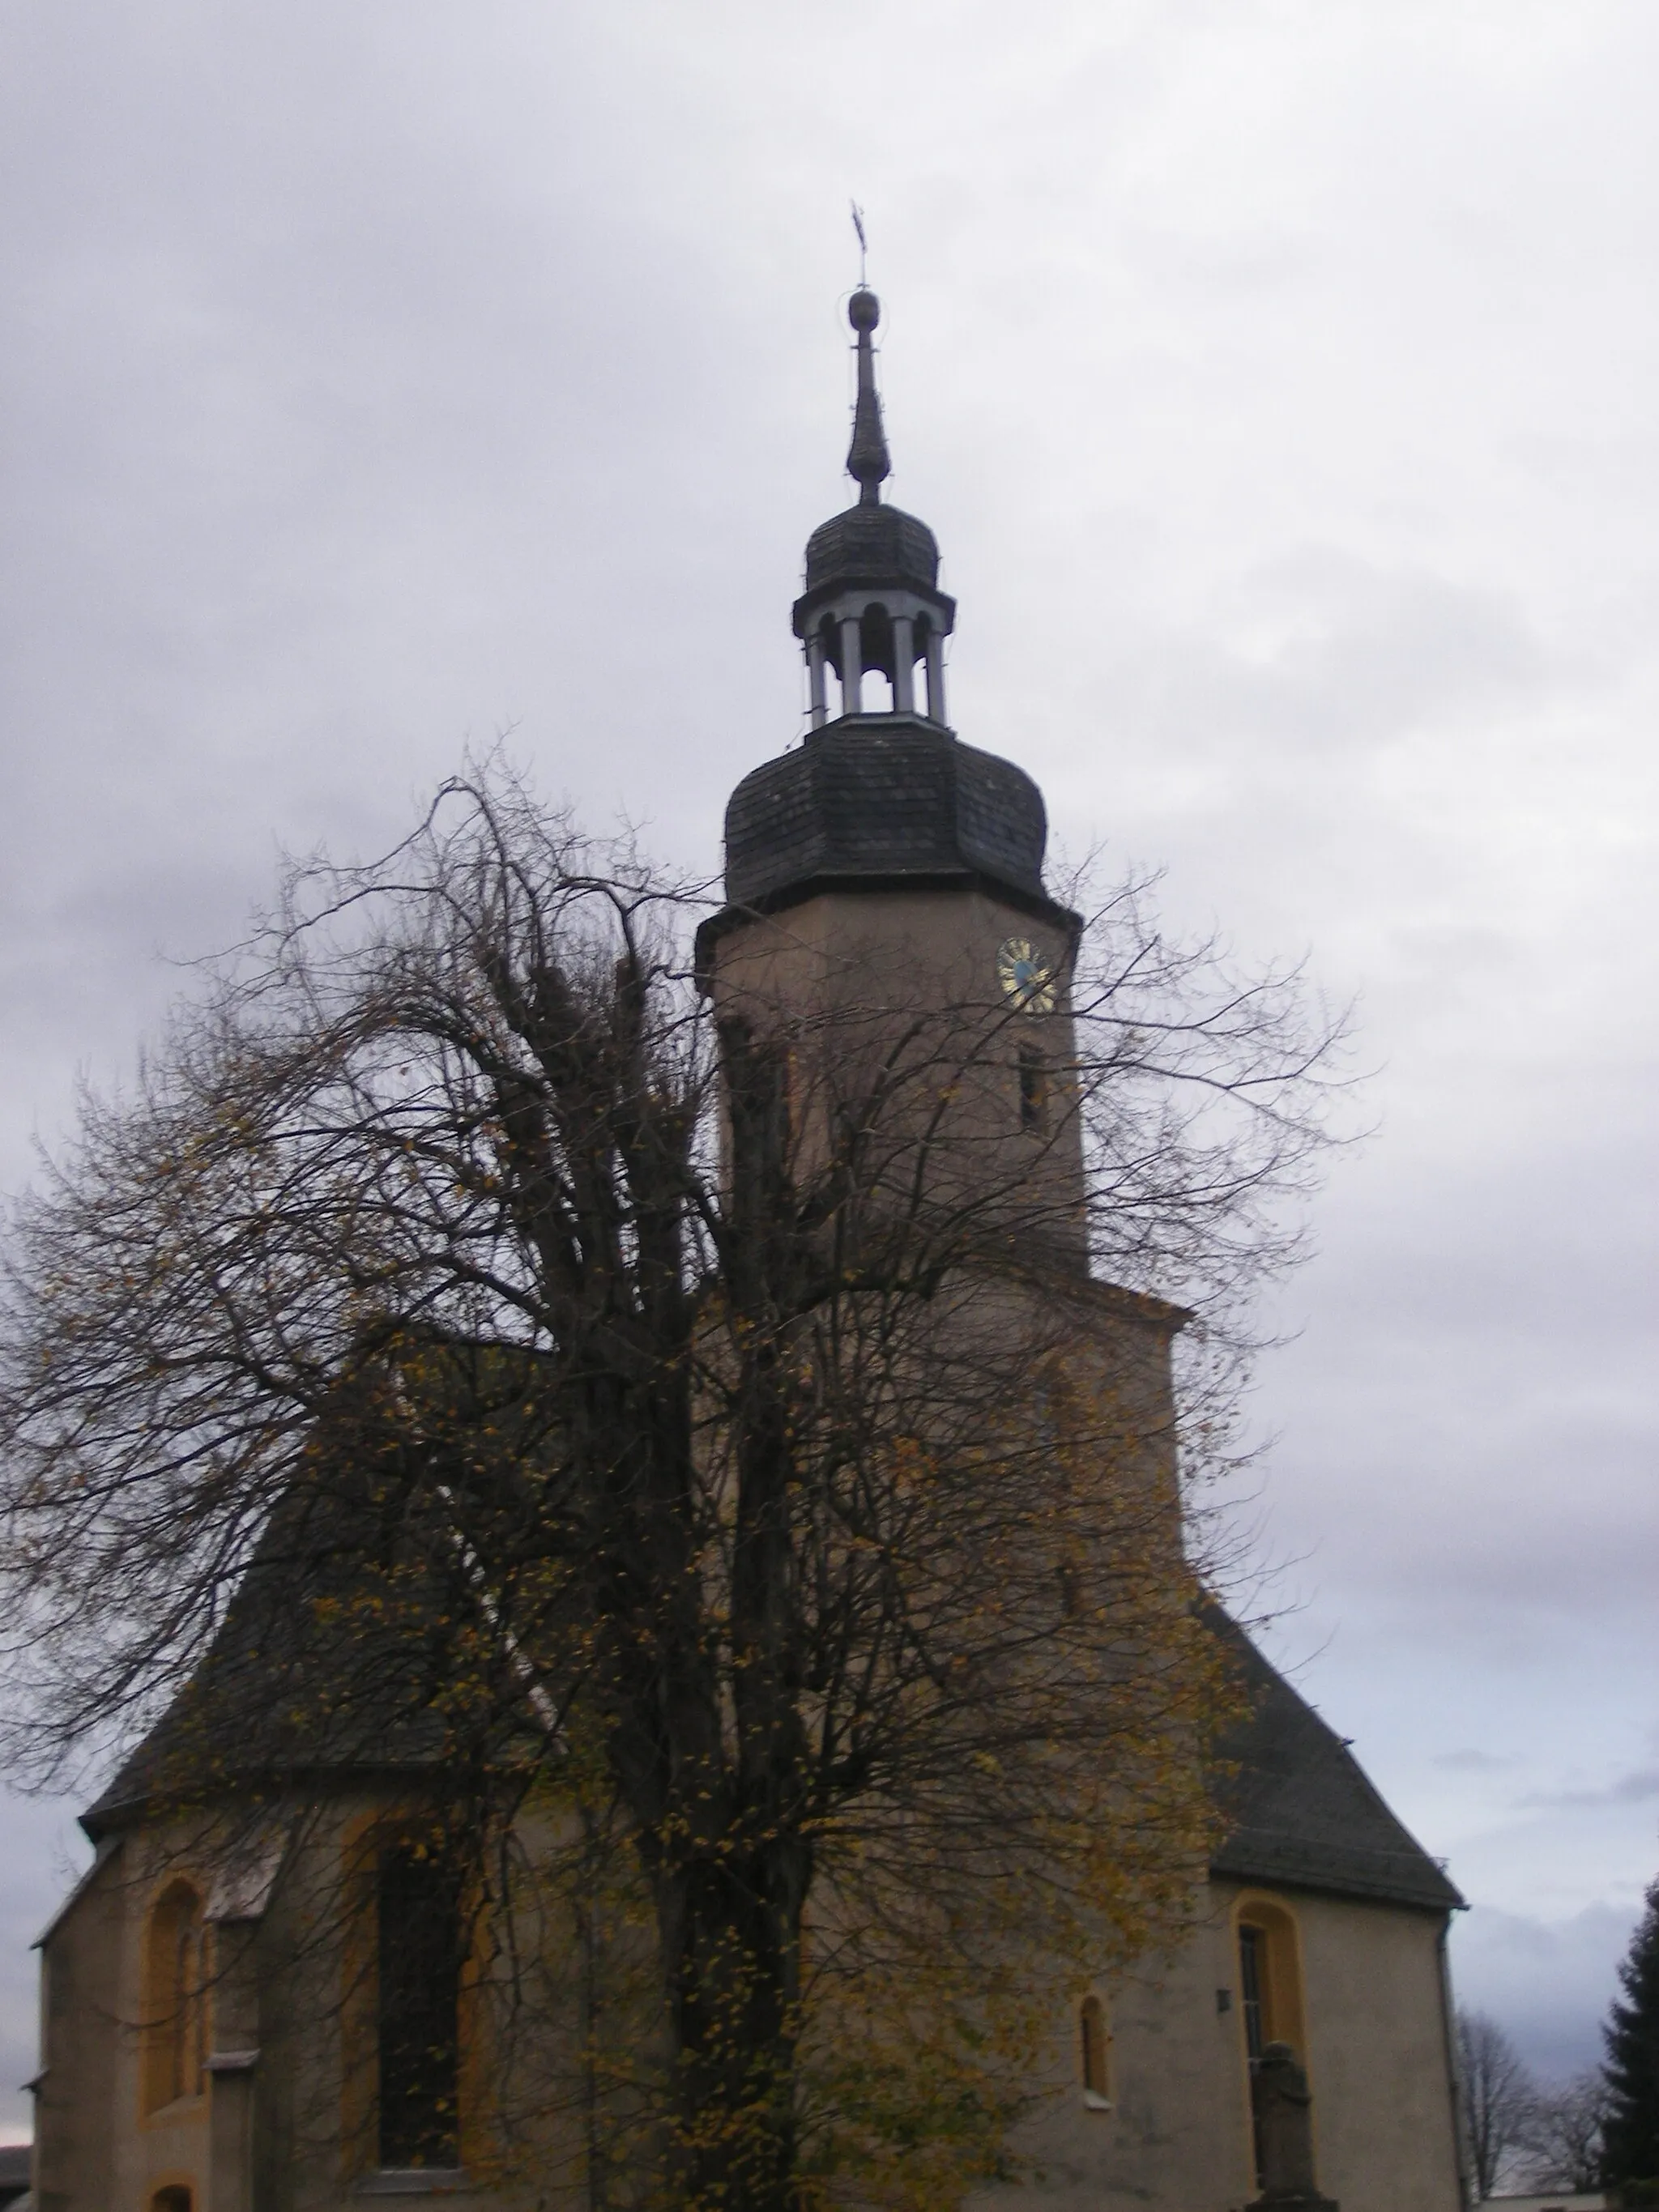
(1095, 2049)
(1033, 1088)
(760, 1084)
(1270, 1988)
(1071, 1589)
(1251, 1978)
(420, 2000)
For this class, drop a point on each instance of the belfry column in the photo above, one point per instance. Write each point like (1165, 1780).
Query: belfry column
(935, 676)
(852, 665)
(904, 665)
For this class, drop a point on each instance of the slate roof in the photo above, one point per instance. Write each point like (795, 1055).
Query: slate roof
(332, 1658)
(1302, 1812)
(883, 798)
(326, 1666)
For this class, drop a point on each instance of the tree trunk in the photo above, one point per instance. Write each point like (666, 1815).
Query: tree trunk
(731, 1937)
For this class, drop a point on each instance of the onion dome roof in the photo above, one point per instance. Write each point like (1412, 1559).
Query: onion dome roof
(869, 544)
(884, 796)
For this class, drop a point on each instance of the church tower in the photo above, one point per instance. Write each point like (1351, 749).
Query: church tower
(884, 872)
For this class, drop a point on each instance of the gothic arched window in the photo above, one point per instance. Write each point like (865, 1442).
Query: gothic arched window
(1270, 1984)
(1270, 1977)
(175, 1999)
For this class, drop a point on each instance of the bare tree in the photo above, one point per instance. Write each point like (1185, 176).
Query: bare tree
(695, 1430)
(1499, 2098)
(1564, 2137)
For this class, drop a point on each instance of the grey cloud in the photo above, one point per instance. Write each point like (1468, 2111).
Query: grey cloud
(1350, 655)
(1635, 1788)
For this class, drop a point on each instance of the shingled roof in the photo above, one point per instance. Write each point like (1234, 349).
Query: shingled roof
(882, 799)
(1301, 1812)
(335, 1662)
(327, 1668)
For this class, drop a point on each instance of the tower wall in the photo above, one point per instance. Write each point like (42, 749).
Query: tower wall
(896, 992)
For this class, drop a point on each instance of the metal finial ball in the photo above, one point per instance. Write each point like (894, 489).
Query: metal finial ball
(864, 310)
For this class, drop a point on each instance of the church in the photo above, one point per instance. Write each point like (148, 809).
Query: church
(1315, 1950)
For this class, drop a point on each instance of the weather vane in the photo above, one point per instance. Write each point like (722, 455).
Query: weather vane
(858, 225)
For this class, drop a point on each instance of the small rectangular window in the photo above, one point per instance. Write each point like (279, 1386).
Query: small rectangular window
(1095, 2052)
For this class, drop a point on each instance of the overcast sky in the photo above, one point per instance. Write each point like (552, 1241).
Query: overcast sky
(1282, 381)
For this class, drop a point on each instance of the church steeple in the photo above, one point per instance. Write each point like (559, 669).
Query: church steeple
(872, 605)
(884, 849)
(882, 795)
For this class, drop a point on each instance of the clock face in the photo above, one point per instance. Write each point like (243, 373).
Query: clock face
(1025, 976)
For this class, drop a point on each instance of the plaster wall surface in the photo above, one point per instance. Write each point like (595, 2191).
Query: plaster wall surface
(77, 2088)
(1378, 2059)
(1177, 2134)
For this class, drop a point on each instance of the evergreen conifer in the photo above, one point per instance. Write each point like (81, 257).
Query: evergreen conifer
(1631, 2136)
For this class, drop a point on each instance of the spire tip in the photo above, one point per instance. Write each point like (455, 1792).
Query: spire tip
(866, 460)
